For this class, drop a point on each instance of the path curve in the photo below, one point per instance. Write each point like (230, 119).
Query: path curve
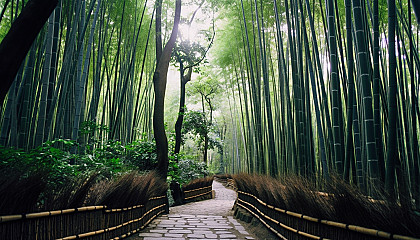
(208, 219)
(221, 205)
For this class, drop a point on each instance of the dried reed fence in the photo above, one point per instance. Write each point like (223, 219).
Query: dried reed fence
(226, 180)
(279, 206)
(290, 225)
(92, 222)
(198, 189)
(223, 178)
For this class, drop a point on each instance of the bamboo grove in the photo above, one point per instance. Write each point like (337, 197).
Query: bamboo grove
(92, 62)
(312, 88)
(325, 88)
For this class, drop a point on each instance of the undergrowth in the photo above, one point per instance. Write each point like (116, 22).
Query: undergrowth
(18, 196)
(62, 173)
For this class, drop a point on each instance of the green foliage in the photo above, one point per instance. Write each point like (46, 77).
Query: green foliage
(188, 52)
(51, 160)
(195, 122)
(93, 132)
(142, 154)
(91, 127)
(110, 149)
(59, 167)
(55, 161)
(185, 169)
(215, 142)
(112, 156)
(47, 164)
(174, 174)
(191, 169)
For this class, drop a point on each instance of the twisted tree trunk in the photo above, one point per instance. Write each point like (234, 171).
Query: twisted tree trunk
(159, 83)
(18, 41)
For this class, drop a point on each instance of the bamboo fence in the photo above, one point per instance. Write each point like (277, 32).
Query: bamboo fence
(194, 194)
(92, 222)
(290, 225)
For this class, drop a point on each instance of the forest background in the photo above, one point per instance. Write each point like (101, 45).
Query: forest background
(310, 88)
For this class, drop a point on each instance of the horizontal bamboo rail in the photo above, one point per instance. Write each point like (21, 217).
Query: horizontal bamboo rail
(197, 189)
(8, 218)
(347, 227)
(123, 209)
(198, 195)
(262, 221)
(93, 222)
(92, 233)
(156, 198)
(276, 222)
(139, 229)
(197, 192)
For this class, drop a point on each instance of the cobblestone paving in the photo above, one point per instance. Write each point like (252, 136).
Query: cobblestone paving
(209, 219)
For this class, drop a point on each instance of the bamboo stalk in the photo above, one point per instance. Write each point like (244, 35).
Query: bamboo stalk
(90, 208)
(334, 224)
(8, 218)
(370, 231)
(281, 224)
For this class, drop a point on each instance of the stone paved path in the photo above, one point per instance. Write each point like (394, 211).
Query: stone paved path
(209, 219)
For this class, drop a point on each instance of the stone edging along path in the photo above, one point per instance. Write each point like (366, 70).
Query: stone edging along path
(209, 219)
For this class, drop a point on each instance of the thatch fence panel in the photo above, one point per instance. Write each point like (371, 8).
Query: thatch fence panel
(197, 190)
(193, 194)
(95, 222)
(291, 225)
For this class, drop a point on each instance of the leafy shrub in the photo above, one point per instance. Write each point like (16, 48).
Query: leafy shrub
(195, 122)
(186, 170)
(58, 174)
(109, 150)
(43, 178)
(190, 169)
(51, 160)
(64, 170)
(142, 154)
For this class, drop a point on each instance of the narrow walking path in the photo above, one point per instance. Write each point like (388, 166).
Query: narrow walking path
(209, 219)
